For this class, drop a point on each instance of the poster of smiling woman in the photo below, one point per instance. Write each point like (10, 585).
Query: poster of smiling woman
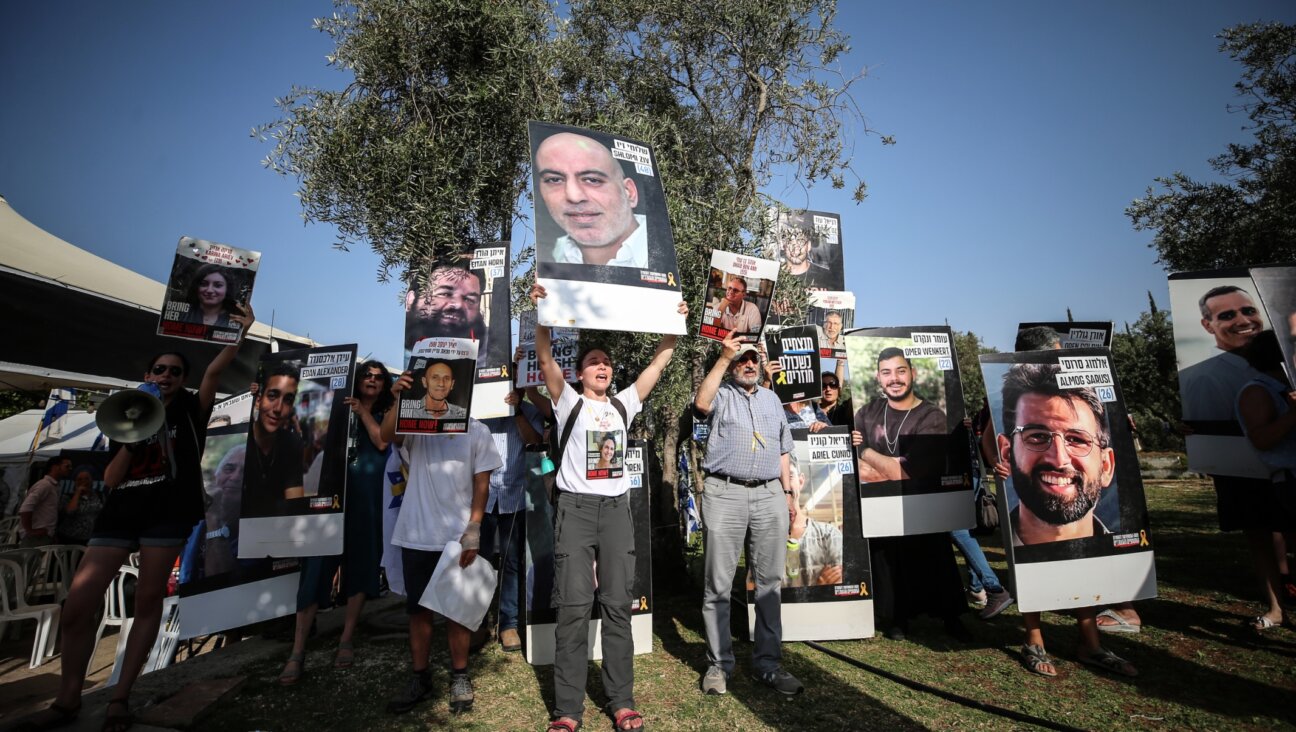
(604, 248)
(1075, 523)
(208, 282)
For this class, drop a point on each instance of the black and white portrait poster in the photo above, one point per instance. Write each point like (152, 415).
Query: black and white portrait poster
(833, 313)
(219, 591)
(1086, 334)
(739, 291)
(294, 471)
(604, 249)
(809, 244)
(1216, 315)
(441, 398)
(827, 583)
(207, 281)
(914, 465)
(536, 611)
(1277, 289)
(796, 350)
(1074, 516)
(468, 297)
(565, 343)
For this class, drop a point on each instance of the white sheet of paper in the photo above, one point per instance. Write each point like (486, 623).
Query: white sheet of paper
(461, 594)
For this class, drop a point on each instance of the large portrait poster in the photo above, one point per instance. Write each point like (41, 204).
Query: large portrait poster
(1075, 520)
(1216, 315)
(441, 398)
(537, 612)
(604, 248)
(1277, 289)
(219, 591)
(914, 465)
(833, 313)
(294, 477)
(797, 351)
(809, 244)
(739, 291)
(468, 297)
(827, 582)
(564, 341)
(1077, 334)
(207, 281)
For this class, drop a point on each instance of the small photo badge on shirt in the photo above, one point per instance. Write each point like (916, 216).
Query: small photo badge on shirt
(604, 454)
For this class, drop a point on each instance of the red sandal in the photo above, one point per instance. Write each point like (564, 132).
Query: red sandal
(622, 718)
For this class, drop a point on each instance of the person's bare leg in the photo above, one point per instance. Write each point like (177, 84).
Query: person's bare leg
(96, 571)
(420, 639)
(1035, 637)
(154, 570)
(355, 604)
(301, 631)
(1261, 543)
(1086, 618)
(1280, 543)
(459, 639)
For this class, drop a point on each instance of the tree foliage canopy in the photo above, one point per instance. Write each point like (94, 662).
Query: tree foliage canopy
(1144, 360)
(1250, 219)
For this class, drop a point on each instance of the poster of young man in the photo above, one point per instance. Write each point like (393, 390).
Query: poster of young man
(566, 344)
(538, 614)
(739, 291)
(834, 314)
(1079, 334)
(796, 350)
(294, 474)
(468, 297)
(441, 398)
(604, 248)
(207, 281)
(1216, 315)
(1075, 523)
(1276, 287)
(913, 461)
(218, 591)
(827, 585)
(809, 244)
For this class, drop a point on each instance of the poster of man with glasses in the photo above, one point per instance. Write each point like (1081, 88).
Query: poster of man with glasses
(1074, 491)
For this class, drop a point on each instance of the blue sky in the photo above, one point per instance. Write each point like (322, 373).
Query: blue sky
(1023, 130)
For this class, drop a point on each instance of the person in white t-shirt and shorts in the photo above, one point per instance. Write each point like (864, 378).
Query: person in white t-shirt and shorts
(445, 499)
(592, 522)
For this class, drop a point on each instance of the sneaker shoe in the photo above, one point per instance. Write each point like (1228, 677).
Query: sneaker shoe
(418, 689)
(780, 681)
(997, 603)
(715, 681)
(510, 640)
(976, 599)
(461, 693)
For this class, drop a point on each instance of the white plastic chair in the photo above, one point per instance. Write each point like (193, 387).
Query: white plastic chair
(115, 611)
(54, 572)
(14, 607)
(9, 529)
(164, 646)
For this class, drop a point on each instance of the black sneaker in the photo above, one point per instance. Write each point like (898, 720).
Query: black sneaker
(780, 681)
(418, 689)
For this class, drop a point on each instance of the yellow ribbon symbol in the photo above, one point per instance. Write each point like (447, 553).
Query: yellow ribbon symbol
(863, 589)
(670, 279)
(336, 503)
(504, 371)
(1143, 537)
(643, 602)
(782, 378)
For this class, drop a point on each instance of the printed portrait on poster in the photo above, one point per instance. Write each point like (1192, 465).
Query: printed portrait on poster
(834, 314)
(809, 244)
(441, 398)
(1087, 334)
(739, 291)
(208, 283)
(1277, 289)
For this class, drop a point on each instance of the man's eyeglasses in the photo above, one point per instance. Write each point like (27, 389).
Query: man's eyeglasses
(1078, 443)
(161, 368)
(1227, 315)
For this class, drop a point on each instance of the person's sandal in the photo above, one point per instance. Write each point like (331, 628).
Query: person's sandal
(1108, 661)
(290, 674)
(1260, 624)
(121, 721)
(1036, 660)
(1116, 623)
(623, 720)
(564, 724)
(345, 657)
(52, 717)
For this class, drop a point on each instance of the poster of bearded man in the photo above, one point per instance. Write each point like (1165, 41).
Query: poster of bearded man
(1075, 521)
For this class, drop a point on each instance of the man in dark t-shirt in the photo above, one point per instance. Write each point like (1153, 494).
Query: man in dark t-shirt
(904, 436)
(272, 472)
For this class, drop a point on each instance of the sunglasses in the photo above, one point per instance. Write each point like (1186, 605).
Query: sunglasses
(1228, 315)
(371, 376)
(831, 385)
(161, 368)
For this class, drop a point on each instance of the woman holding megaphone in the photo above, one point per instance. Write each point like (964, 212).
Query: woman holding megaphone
(155, 497)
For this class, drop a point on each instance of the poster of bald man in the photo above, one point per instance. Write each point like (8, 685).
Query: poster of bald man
(468, 297)
(1217, 315)
(913, 456)
(1277, 289)
(1070, 334)
(1076, 523)
(833, 313)
(604, 248)
(739, 290)
(809, 244)
(441, 398)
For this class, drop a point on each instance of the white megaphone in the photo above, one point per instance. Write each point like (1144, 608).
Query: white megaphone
(132, 415)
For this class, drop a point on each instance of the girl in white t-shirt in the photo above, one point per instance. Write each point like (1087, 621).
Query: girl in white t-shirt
(592, 525)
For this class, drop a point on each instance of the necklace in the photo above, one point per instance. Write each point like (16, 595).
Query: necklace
(891, 445)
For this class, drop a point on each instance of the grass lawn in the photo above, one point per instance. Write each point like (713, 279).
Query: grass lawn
(1200, 666)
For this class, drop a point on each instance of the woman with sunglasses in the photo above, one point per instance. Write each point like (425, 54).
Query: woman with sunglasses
(362, 535)
(155, 496)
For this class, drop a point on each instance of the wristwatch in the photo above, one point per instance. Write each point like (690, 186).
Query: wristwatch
(221, 533)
